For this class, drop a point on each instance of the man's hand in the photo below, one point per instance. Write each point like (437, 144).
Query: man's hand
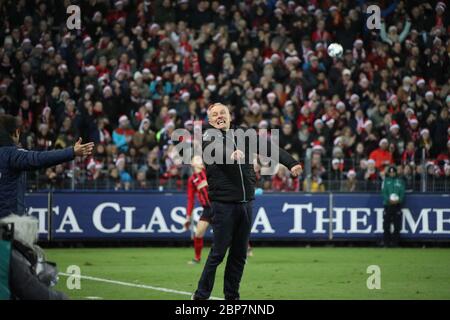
(83, 149)
(296, 170)
(237, 155)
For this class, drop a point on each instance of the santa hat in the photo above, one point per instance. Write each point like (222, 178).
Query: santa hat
(92, 164)
(384, 140)
(430, 163)
(370, 161)
(354, 97)
(330, 122)
(169, 124)
(394, 125)
(271, 95)
(289, 102)
(335, 161)
(154, 26)
(304, 109)
(358, 42)
(120, 159)
(351, 173)
(87, 39)
(263, 124)
(123, 118)
(90, 68)
(185, 94)
(318, 121)
(319, 45)
(275, 56)
(210, 77)
(440, 5)
(423, 131)
(316, 146)
(188, 123)
(332, 8)
(106, 89)
(413, 120)
(340, 105)
(409, 110)
(429, 93)
(391, 98)
(420, 81)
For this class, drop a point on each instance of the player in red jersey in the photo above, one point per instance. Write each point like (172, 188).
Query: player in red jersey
(198, 185)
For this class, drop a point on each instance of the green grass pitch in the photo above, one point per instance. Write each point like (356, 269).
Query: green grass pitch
(272, 273)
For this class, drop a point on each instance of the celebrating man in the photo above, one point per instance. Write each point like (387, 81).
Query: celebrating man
(231, 191)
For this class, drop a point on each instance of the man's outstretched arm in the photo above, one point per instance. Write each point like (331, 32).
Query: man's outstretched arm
(283, 156)
(31, 160)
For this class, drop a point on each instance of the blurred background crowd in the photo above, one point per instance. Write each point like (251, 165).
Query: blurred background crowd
(138, 69)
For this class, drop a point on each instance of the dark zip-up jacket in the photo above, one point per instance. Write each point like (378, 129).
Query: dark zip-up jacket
(235, 181)
(13, 162)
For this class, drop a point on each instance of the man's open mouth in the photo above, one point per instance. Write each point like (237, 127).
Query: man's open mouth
(220, 121)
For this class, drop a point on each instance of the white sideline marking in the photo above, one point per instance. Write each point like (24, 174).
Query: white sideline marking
(142, 286)
(94, 298)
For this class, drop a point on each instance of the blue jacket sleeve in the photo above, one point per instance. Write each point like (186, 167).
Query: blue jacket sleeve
(31, 160)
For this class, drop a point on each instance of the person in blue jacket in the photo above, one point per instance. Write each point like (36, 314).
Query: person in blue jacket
(23, 283)
(14, 161)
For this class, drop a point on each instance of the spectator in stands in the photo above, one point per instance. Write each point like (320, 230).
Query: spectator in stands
(371, 176)
(425, 143)
(144, 139)
(123, 135)
(350, 184)
(315, 184)
(382, 156)
(335, 175)
(124, 176)
(283, 182)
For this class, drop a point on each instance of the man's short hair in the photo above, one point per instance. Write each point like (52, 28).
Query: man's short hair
(8, 126)
(216, 104)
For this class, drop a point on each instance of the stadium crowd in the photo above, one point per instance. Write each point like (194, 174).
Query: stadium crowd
(137, 70)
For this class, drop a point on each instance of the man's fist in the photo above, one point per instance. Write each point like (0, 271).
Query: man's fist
(83, 149)
(296, 170)
(237, 155)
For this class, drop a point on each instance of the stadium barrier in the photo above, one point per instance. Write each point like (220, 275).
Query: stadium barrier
(288, 216)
